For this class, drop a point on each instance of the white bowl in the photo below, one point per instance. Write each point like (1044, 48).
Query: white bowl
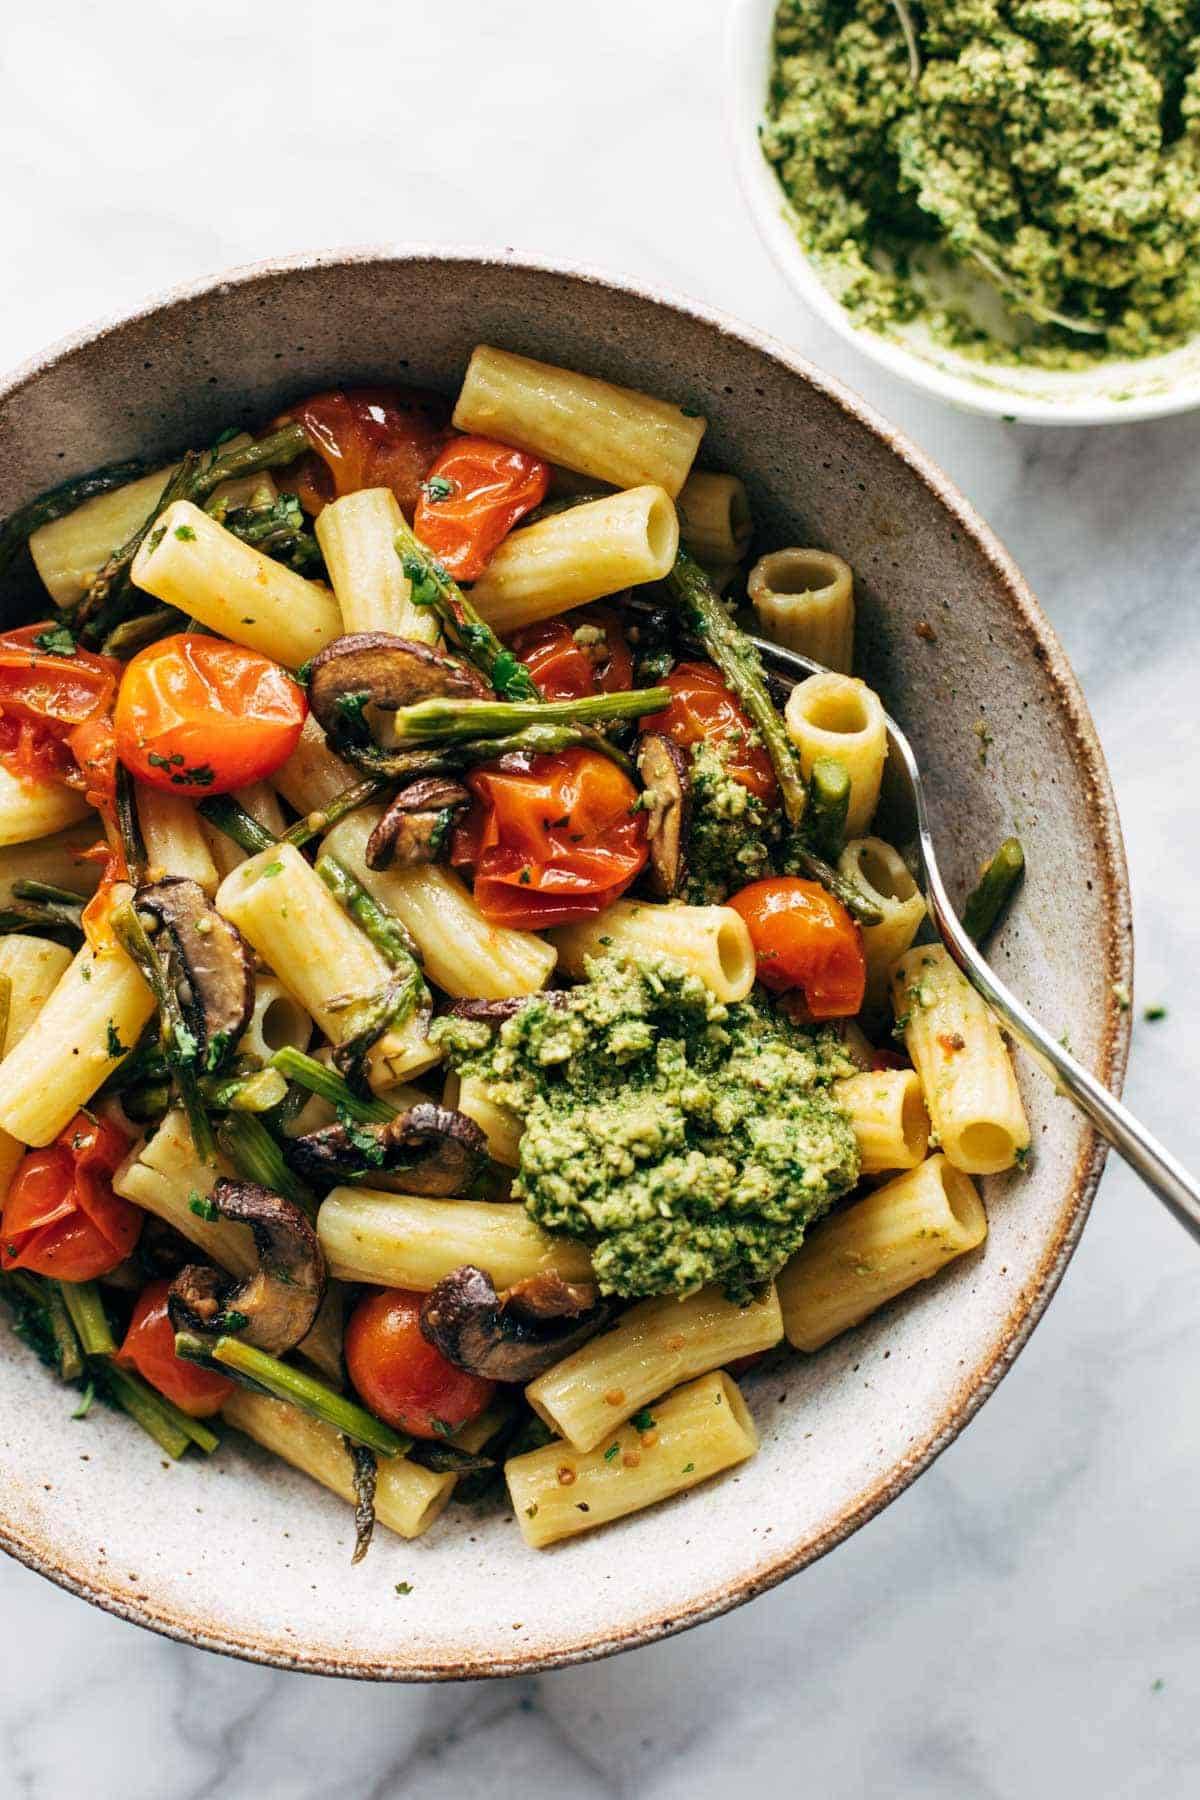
(1112, 394)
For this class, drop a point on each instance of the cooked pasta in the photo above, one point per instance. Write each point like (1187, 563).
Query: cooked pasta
(712, 942)
(357, 535)
(863, 1257)
(58, 860)
(714, 518)
(68, 552)
(965, 1068)
(313, 775)
(882, 874)
(468, 1095)
(887, 1111)
(30, 808)
(839, 717)
(173, 833)
(32, 968)
(406, 1241)
(804, 599)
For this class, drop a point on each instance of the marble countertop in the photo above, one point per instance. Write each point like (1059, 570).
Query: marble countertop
(1023, 1622)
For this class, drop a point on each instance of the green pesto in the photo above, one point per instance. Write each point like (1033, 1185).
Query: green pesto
(684, 1140)
(1049, 153)
(730, 834)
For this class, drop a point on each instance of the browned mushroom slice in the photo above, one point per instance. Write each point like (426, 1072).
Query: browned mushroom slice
(427, 1150)
(415, 825)
(548, 1296)
(208, 962)
(494, 1012)
(273, 1308)
(373, 668)
(476, 1329)
(664, 772)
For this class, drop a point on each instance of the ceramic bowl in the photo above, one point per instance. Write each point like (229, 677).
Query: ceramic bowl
(1114, 393)
(241, 1554)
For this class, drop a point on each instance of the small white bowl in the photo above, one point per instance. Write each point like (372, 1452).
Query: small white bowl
(1112, 393)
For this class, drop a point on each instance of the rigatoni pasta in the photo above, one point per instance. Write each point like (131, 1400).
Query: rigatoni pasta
(881, 873)
(714, 518)
(709, 941)
(804, 599)
(357, 535)
(30, 808)
(840, 717)
(407, 1241)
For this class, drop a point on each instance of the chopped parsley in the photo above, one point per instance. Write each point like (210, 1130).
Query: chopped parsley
(185, 534)
(643, 1420)
(272, 869)
(404, 1587)
(613, 1450)
(437, 488)
(56, 640)
(1152, 1014)
(203, 1207)
(113, 1040)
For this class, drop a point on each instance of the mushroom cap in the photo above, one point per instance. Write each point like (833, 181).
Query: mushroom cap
(273, 1308)
(427, 1150)
(374, 668)
(664, 772)
(413, 828)
(209, 963)
(514, 1337)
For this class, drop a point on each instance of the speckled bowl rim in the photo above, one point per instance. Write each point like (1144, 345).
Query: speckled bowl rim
(208, 1632)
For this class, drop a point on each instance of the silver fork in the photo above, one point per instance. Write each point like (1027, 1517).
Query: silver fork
(1145, 1155)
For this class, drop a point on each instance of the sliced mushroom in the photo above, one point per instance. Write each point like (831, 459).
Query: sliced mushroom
(664, 772)
(373, 668)
(503, 1337)
(415, 825)
(426, 1150)
(273, 1308)
(208, 962)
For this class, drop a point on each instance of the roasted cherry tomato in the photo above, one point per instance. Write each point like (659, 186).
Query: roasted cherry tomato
(401, 1377)
(149, 1347)
(61, 1217)
(577, 654)
(45, 698)
(200, 716)
(704, 708)
(550, 838)
(364, 438)
(804, 938)
(471, 499)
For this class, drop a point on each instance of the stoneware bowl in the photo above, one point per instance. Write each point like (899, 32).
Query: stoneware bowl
(239, 1553)
(1112, 394)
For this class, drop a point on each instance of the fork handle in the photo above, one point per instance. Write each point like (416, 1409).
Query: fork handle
(1163, 1174)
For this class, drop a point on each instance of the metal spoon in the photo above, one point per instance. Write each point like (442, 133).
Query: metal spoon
(1145, 1155)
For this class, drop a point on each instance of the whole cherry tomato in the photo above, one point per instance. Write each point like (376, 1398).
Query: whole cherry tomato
(149, 1347)
(363, 438)
(703, 708)
(61, 1217)
(804, 938)
(577, 654)
(202, 716)
(471, 499)
(46, 697)
(551, 838)
(402, 1378)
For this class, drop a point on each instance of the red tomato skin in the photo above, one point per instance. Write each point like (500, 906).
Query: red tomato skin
(46, 701)
(199, 716)
(149, 1348)
(804, 938)
(400, 1377)
(61, 1217)
(366, 437)
(563, 669)
(703, 707)
(551, 838)
(492, 486)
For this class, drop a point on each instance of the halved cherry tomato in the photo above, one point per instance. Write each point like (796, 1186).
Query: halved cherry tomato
(61, 1217)
(366, 437)
(471, 499)
(704, 708)
(569, 661)
(550, 838)
(402, 1378)
(149, 1347)
(203, 716)
(45, 697)
(804, 938)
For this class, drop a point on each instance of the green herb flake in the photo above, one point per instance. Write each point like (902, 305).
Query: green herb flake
(272, 869)
(404, 1587)
(203, 1207)
(643, 1420)
(437, 488)
(85, 1401)
(688, 1469)
(113, 1042)
(613, 1450)
(1152, 1014)
(185, 534)
(56, 640)
(443, 1427)
(156, 537)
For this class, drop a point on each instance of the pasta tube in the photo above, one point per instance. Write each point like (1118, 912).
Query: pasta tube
(262, 803)
(714, 517)
(69, 552)
(276, 1021)
(712, 942)
(36, 809)
(863, 1257)
(613, 433)
(699, 1430)
(885, 878)
(357, 535)
(173, 833)
(285, 911)
(804, 600)
(401, 1240)
(576, 556)
(312, 776)
(193, 563)
(888, 1116)
(839, 717)
(468, 1095)
(57, 860)
(462, 953)
(964, 1065)
(654, 1346)
(32, 967)
(408, 1498)
(165, 1176)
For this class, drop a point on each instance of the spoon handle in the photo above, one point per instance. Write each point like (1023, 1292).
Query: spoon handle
(1162, 1173)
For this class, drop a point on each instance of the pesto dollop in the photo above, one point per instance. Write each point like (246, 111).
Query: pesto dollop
(684, 1140)
(731, 833)
(1049, 152)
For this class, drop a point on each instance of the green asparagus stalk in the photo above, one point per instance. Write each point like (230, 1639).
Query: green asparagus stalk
(994, 889)
(39, 1304)
(170, 1427)
(53, 905)
(432, 587)
(277, 529)
(223, 811)
(828, 804)
(86, 1309)
(318, 1078)
(385, 931)
(57, 502)
(349, 800)
(460, 721)
(259, 1091)
(257, 1157)
(178, 1042)
(129, 829)
(703, 614)
(134, 634)
(266, 1374)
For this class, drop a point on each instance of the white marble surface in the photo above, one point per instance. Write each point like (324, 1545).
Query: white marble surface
(1025, 1622)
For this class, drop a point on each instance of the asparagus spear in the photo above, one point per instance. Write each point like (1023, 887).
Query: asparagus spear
(994, 890)
(828, 804)
(170, 1427)
(42, 1321)
(385, 931)
(349, 800)
(178, 1043)
(86, 1309)
(267, 1375)
(447, 722)
(432, 587)
(257, 1157)
(318, 1078)
(134, 634)
(223, 811)
(57, 502)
